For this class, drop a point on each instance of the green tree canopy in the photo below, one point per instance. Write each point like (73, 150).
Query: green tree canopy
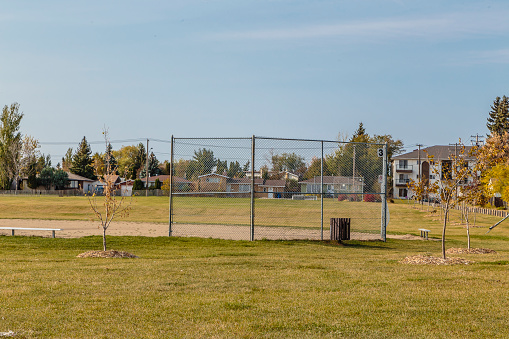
(359, 159)
(60, 179)
(131, 160)
(315, 169)
(202, 163)
(153, 166)
(498, 119)
(235, 170)
(10, 143)
(82, 162)
(46, 177)
(290, 162)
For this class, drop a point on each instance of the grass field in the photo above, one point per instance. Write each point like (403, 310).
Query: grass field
(189, 287)
(269, 212)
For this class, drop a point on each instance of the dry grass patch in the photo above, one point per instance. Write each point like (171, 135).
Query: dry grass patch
(470, 251)
(430, 260)
(106, 254)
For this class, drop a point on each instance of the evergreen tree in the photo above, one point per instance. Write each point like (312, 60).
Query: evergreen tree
(60, 179)
(202, 163)
(137, 185)
(498, 119)
(360, 134)
(153, 166)
(139, 161)
(46, 177)
(158, 184)
(67, 160)
(82, 162)
(235, 170)
(221, 166)
(32, 175)
(108, 157)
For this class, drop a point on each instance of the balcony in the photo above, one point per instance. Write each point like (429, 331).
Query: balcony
(402, 182)
(404, 168)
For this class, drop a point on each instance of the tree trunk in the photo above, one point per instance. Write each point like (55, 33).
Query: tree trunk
(468, 229)
(104, 239)
(446, 212)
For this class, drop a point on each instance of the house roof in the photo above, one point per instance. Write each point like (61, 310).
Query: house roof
(76, 177)
(438, 152)
(274, 183)
(328, 180)
(213, 174)
(258, 181)
(113, 178)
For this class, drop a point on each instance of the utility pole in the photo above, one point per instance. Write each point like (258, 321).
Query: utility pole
(454, 164)
(478, 139)
(419, 175)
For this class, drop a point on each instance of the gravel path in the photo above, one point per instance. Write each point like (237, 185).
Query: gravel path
(76, 229)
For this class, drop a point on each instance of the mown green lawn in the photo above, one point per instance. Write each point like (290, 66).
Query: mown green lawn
(192, 288)
(189, 287)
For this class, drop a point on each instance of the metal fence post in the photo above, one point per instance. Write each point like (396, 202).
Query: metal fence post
(251, 237)
(384, 194)
(171, 187)
(321, 194)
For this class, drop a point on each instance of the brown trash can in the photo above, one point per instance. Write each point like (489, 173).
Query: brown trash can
(339, 228)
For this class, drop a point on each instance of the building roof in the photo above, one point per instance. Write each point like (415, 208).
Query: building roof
(76, 177)
(328, 180)
(438, 152)
(112, 178)
(274, 183)
(213, 174)
(258, 181)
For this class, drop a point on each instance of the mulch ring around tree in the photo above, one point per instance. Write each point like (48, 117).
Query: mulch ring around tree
(470, 251)
(106, 254)
(430, 260)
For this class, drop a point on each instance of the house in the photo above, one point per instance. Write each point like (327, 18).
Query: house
(408, 166)
(272, 188)
(76, 182)
(242, 185)
(212, 182)
(126, 187)
(283, 175)
(98, 185)
(179, 184)
(264, 188)
(333, 185)
(79, 182)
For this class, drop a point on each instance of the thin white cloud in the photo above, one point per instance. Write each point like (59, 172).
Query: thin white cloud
(441, 26)
(500, 56)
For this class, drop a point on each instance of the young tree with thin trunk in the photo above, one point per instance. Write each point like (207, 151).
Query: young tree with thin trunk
(452, 178)
(112, 206)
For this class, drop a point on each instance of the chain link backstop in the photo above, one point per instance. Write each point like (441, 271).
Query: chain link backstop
(273, 188)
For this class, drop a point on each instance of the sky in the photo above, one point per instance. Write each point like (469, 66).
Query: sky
(425, 72)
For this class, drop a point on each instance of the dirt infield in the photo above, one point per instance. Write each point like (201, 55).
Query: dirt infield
(76, 229)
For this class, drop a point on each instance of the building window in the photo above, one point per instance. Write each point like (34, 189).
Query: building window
(244, 188)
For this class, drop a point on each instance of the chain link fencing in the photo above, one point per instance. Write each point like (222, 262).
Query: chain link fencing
(272, 188)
